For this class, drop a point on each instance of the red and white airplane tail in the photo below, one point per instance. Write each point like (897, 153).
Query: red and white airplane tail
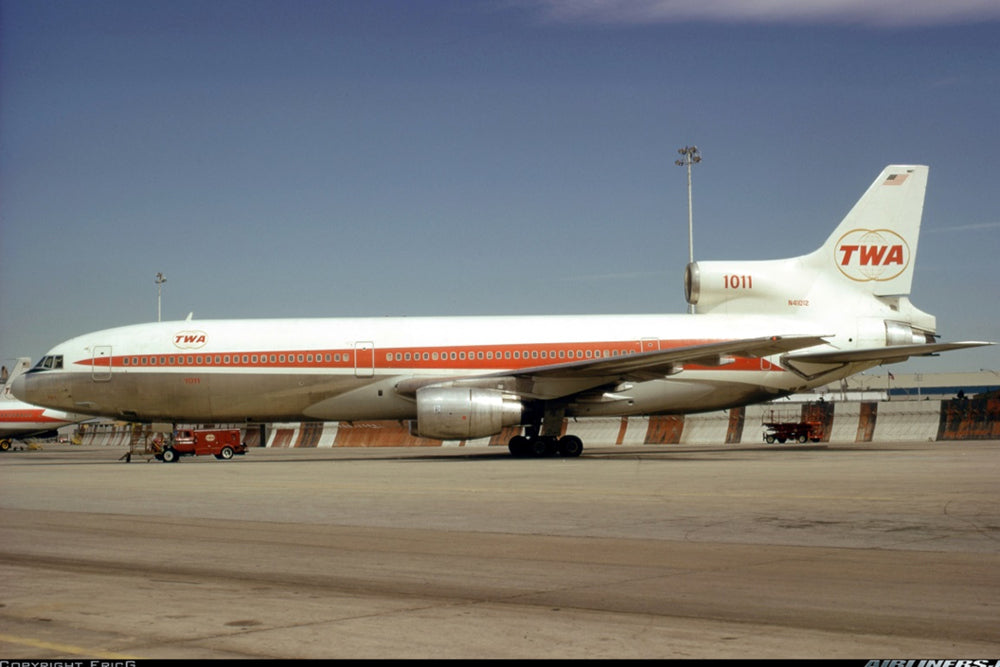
(870, 253)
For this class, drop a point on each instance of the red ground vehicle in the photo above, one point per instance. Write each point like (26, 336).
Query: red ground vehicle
(794, 431)
(221, 443)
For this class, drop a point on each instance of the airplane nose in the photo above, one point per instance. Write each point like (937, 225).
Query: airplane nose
(19, 388)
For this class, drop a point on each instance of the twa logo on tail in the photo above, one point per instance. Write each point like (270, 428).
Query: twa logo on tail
(871, 254)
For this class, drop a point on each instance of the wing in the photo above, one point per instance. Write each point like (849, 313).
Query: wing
(559, 380)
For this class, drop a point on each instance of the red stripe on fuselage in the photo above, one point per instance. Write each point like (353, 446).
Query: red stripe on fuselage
(403, 359)
(17, 416)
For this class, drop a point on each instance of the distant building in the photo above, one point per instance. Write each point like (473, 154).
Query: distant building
(911, 386)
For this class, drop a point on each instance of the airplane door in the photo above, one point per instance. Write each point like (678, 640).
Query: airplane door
(649, 344)
(364, 358)
(100, 368)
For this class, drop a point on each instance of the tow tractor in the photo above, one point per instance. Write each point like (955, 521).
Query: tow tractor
(789, 430)
(797, 431)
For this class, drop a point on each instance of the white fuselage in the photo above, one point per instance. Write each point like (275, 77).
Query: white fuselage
(348, 369)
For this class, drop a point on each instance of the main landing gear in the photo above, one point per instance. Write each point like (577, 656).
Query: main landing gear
(540, 446)
(541, 435)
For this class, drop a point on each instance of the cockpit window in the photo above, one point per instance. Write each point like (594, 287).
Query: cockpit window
(51, 362)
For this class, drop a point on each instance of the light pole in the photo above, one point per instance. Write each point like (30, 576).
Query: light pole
(160, 279)
(691, 156)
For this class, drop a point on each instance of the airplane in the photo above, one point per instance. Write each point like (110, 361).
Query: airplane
(760, 330)
(21, 420)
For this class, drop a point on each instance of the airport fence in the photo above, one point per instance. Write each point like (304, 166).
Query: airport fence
(840, 421)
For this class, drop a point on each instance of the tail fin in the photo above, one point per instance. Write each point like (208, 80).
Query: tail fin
(870, 253)
(875, 244)
(7, 376)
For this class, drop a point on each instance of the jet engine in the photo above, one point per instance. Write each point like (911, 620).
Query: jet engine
(876, 331)
(741, 285)
(456, 413)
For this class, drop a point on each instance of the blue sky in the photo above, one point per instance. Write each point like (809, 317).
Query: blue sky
(301, 158)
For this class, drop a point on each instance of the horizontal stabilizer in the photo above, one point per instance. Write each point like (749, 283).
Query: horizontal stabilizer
(889, 354)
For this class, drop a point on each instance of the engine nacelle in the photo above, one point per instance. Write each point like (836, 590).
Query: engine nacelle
(873, 331)
(457, 413)
(743, 286)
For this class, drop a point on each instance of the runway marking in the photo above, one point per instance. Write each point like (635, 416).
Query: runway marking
(64, 648)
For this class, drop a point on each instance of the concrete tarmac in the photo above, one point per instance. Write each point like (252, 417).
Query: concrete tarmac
(808, 551)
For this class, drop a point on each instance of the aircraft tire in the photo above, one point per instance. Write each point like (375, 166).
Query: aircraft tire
(518, 446)
(542, 447)
(570, 446)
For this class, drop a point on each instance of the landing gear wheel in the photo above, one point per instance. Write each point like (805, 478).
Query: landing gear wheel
(542, 447)
(570, 445)
(518, 446)
(534, 447)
